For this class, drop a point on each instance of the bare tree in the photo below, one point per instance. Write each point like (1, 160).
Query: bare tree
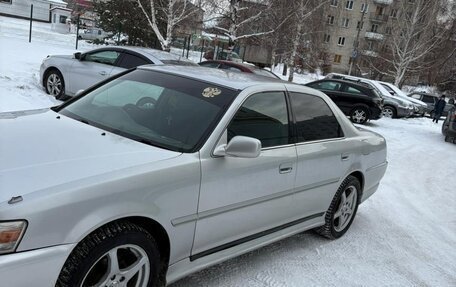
(414, 35)
(172, 11)
(301, 26)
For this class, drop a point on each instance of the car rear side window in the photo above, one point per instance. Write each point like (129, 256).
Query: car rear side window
(314, 119)
(263, 116)
(131, 61)
(103, 57)
(326, 85)
(428, 99)
(351, 90)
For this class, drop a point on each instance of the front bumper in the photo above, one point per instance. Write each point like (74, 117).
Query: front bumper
(405, 111)
(375, 113)
(40, 267)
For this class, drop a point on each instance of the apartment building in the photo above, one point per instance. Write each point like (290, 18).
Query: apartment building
(356, 28)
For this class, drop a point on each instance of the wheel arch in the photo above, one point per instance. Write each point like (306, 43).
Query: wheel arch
(359, 175)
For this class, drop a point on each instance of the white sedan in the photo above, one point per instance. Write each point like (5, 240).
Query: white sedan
(163, 171)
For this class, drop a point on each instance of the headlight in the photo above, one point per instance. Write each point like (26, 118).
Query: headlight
(11, 233)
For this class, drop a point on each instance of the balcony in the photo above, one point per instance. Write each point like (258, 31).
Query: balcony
(374, 36)
(369, 53)
(378, 18)
(383, 2)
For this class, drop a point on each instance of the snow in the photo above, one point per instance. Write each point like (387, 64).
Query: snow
(404, 235)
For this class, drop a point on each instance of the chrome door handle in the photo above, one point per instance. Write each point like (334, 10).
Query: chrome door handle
(285, 168)
(103, 73)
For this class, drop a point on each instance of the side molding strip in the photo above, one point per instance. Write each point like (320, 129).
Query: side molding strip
(253, 237)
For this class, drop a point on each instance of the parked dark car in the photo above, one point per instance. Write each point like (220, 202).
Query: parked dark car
(430, 100)
(237, 67)
(360, 102)
(449, 125)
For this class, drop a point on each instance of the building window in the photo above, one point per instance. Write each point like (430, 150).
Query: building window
(6, 1)
(360, 25)
(330, 20)
(374, 28)
(326, 38)
(334, 3)
(349, 5)
(54, 18)
(388, 30)
(62, 19)
(370, 45)
(341, 41)
(364, 7)
(345, 22)
(379, 11)
(337, 59)
(393, 13)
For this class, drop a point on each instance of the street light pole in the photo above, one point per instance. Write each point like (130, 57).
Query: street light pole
(355, 50)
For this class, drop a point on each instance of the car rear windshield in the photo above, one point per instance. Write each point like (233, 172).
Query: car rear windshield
(155, 108)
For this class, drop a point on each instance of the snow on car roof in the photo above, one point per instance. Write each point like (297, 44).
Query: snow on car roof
(158, 54)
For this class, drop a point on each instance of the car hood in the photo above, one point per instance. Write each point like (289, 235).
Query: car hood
(61, 56)
(38, 150)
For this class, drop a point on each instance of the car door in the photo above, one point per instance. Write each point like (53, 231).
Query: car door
(430, 101)
(93, 67)
(129, 60)
(350, 97)
(244, 198)
(323, 155)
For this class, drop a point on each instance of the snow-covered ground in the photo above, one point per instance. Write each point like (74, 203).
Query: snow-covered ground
(404, 235)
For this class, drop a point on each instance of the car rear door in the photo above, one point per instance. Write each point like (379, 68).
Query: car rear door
(322, 155)
(93, 67)
(242, 199)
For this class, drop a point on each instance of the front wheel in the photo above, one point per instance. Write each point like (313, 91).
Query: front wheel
(359, 115)
(54, 84)
(118, 254)
(389, 112)
(342, 210)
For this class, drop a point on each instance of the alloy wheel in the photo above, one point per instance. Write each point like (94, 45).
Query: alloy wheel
(346, 208)
(359, 116)
(54, 84)
(388, 113)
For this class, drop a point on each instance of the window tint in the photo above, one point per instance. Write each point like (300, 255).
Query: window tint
(263, 116)
(130, 61)
(428, 99)
(351, 90)
(326, 85)
(314, 118)
(103, 57)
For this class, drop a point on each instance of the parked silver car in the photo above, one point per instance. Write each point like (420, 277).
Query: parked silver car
(420, 107)
(148, 177)
(65, 75)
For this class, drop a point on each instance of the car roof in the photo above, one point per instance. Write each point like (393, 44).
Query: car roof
(234, 64)
(226, 78)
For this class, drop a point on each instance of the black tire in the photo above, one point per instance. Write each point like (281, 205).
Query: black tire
(83, 260)
(329, 229)
(358, 110)
(57, 89)
(392, 109)
(448, 139)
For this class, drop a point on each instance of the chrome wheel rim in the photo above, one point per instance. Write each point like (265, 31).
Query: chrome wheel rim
(359, 116)
(345, 209)
(123, 266)
(54, 84)
(388, 113)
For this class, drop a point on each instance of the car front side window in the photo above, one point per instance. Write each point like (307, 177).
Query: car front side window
(314, 119)
(263, 116)
(104, 57)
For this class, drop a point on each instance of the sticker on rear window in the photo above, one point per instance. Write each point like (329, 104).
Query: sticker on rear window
(211, 92)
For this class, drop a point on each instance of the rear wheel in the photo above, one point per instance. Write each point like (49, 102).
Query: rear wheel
(359, 115)
(118, 254)
(54, 84)
(342, 210)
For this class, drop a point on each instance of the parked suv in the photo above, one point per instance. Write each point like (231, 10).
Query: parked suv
(393, 107)
(430, 100)
(420, 107)
(360, 102)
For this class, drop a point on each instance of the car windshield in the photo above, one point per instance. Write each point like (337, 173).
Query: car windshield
(155, 108)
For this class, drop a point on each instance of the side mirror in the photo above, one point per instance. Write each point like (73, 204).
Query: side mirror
(240, 146)
(77, 55)
(78, 93)
(392, 93)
